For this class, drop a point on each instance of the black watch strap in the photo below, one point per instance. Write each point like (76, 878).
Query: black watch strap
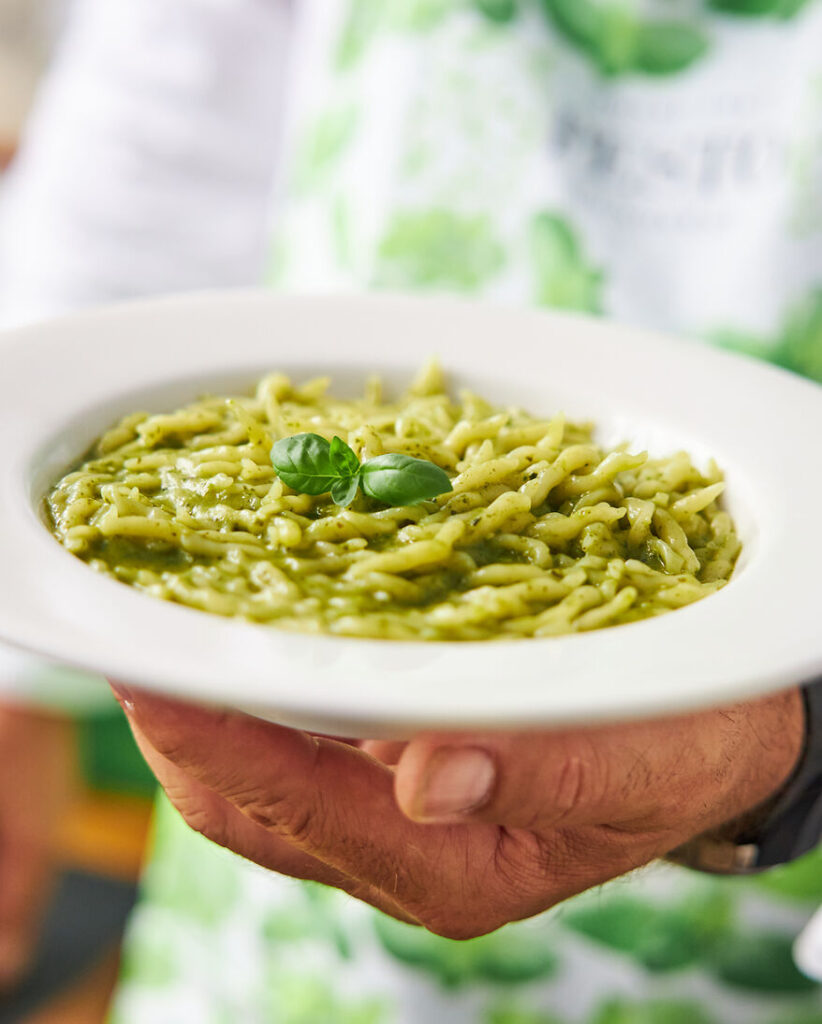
(793, 825)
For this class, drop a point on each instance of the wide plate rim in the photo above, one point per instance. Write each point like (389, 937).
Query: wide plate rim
(339, 679)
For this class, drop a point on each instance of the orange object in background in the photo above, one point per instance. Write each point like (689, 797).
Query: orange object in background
(104, 834)
(76, 807)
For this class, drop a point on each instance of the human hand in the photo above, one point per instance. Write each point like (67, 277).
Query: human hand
(37, 760)
(465, 833)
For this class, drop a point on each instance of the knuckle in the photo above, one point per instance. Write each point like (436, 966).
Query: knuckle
(201, 821)
(172, 737)
(299, 825)
(277, 815)
(571, 786)
(582, 781)
(291, 813)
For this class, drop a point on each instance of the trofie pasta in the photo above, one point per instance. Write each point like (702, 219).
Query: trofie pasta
(543, 532)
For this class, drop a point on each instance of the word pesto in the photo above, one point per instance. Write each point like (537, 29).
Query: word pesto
(309, 464)
(427, 516)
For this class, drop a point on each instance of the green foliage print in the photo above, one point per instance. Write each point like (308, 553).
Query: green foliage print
(661, 938)
(615, 37)
(760, 962)
(797, 345)
(438, 249)
(799, 1017)
(419, 15)
(564, 277)
(800, 882)
(151, 957)
(367, 17)
(618, 41)
(204, 893)
(314, 912)
(291, 998)
(660, 1011)
(759, 8)
(323, 145)
(800, 346)
(500, 11)
(505, 957)
(515, 1015)
(361, 25)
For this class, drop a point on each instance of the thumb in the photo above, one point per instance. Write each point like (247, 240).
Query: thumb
(680, 774)
(532, 781)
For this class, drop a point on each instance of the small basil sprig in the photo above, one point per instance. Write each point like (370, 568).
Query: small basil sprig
(311, 465)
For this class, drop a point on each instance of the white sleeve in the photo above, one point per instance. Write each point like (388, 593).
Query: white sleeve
(147, 167)
(149, 159)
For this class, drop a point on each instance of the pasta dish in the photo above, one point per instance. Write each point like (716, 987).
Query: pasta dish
(543, 532)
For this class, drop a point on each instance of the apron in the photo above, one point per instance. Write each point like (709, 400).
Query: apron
(655, 162)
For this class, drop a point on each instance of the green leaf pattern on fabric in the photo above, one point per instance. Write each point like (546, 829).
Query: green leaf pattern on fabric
(618, 41)
(150, 960)
(564, 277)
(657, 1012)
(362, 23)
(517, 1015)
(760, 8)
(760, 962)
(798, 344)
(311, 915)
(323, 145)
(503, 958)
(438, 249)
(500, 11)
(661, 938)
(203, 894)
(292, 997)
(800, 882)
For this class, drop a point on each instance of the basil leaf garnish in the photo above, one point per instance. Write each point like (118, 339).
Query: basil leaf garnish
(311, 465)
(401, 480)
(344, 491)
(343, 458)
(304, 463)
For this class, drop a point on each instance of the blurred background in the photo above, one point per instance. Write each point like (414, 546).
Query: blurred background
(25, 33)
(99, 844)
(104, 827)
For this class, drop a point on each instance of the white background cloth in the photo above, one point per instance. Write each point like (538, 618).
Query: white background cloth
(147, 166)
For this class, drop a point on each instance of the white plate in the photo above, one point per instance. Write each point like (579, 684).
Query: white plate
(63, 383)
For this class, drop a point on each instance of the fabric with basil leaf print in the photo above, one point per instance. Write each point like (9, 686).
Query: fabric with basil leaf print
(653, 161)
(618, 40)
(310, 464)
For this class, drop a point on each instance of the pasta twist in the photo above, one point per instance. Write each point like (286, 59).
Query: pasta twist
(544, 532)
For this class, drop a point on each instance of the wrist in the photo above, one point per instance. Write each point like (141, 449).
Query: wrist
(776, 766)
(773, 765)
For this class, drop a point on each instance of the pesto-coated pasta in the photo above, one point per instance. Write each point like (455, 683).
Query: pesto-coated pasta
(543, 533)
